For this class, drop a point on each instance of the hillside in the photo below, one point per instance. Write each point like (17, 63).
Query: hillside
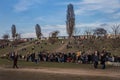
(64, 45)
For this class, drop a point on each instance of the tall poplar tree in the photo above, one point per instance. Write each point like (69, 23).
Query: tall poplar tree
(38, 31)
(70, 23)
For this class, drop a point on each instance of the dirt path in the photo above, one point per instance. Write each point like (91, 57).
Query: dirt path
(61, 47)
(78, 72)
(24, 46)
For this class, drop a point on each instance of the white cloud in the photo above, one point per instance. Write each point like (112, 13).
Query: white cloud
(28, 35)
(47, 29)
(108, 9)
(104, 6)
(50, 28)
(39, 19)
(24, 5)
(53, 27)
(116, 16)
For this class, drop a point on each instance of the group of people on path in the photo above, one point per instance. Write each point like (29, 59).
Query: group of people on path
(79, 57)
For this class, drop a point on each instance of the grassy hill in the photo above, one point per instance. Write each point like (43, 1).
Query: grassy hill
(111, 45)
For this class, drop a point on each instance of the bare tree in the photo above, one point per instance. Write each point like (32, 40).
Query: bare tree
(116, 30)
(100, 32)
(54, 34)
(70, 23)
(13, 30)
(88, 32)
(76, 31)
(5, 36)
(38, 31)
(18, 36)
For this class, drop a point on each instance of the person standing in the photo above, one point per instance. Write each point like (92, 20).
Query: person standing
(96, 59)
(15, 60)
(36, 58)
(103, 59)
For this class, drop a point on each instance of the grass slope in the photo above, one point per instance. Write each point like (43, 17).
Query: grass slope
(111, 45)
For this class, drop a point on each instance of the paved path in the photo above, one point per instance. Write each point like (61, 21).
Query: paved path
(78, 72)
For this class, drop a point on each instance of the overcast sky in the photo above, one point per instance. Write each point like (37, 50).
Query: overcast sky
(51, 15)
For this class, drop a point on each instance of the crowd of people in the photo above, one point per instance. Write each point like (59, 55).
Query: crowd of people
(78, 57)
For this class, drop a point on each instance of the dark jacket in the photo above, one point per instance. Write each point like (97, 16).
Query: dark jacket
(103, 59)
(96, 58)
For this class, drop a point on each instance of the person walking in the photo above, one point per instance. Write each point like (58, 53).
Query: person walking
(15, 60)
